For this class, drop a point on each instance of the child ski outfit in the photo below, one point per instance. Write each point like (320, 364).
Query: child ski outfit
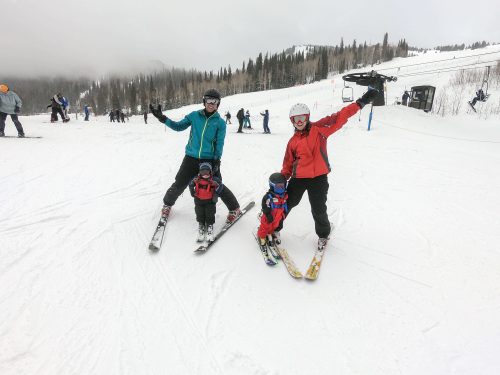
(205, 188)
(274, 209)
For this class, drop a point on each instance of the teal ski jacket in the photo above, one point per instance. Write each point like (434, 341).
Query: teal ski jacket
(206, 138)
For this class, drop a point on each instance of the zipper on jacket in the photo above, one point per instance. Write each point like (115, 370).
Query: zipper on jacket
(202, 135)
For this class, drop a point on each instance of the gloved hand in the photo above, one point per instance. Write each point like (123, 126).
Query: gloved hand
(367, 97)
(215, 166)
(17, 109)
(157, 113)
(269, 217)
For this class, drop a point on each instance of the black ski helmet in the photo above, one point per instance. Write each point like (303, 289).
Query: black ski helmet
(277, 183)
(211, 93)
(205, 168)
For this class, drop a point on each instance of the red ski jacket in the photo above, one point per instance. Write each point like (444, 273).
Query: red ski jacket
(306, 154)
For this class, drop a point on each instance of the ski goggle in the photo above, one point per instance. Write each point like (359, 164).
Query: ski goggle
(299, 119)
(212, 101)
(279, 187)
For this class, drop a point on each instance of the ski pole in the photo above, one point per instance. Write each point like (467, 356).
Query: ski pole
(370, 118)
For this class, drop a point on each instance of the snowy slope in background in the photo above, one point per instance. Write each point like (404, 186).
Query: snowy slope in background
(409, 283)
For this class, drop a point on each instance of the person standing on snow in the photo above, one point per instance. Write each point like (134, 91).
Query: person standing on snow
(240, 115)
(405, 98)
(205, 189)
(265, 121)
(10, 104)
(274, 210)
(86, 111)
(246, 120)
(206, 143)
(306, 160)
(56, 103)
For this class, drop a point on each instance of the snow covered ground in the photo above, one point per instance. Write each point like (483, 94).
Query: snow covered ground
(410, 283)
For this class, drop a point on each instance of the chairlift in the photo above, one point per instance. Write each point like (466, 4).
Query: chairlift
(484, 86)
(347, 94)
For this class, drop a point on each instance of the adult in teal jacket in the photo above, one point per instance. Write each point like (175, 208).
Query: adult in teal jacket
(205, 144)
(10, 104)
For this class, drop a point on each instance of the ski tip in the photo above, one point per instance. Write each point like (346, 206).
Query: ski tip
(201, 250)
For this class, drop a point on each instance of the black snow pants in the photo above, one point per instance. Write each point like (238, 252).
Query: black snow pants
(189, 168)
(205, 211)
(17, 123)
(317, 190)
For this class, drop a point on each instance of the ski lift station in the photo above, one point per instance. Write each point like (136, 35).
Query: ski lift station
(422, 97)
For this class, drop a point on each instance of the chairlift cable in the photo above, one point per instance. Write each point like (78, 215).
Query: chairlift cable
(438, 61)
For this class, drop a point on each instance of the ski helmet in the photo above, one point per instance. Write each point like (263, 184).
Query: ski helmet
(4, 88)
(299, 115)
(299, 109)
(211, 93)
(277, 183)
(205, 169)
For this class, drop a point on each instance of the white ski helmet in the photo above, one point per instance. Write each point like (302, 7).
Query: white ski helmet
(299, 109)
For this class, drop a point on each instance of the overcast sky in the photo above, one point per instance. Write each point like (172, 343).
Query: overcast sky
(93, 37)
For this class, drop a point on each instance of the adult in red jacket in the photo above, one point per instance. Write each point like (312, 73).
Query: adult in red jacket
(306, 160)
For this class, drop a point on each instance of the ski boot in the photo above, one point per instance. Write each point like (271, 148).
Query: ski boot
(165, 211)
(322, 242)
(277, 238)
(210, 233)
(201, 233)
(232, 215)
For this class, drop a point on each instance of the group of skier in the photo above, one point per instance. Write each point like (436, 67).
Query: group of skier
(244, 121)
(59, 105)
(305, 168)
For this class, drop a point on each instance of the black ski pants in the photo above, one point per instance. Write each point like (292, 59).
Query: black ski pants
(240, 126)
(15, 119)
(55, 111)
(189, 168)
(205, 211)
(317, 190)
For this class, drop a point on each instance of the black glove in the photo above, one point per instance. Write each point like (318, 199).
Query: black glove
(157, 113)
(269, 217)
(367, 97)
(17, 109)
(215, 166)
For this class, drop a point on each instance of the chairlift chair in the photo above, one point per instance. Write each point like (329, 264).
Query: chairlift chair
(484, 85)
(347, 94)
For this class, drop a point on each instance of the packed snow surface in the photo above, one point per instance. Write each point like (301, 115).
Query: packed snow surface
(410, 282)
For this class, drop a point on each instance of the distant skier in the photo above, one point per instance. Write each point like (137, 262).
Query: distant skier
(56, 103)
(65, 106)
(246, 120)
(205, 189)
(228, 117)
(145, 117)
(206, 143)
(405, 98)
(112, 115)
(240, 115)
(265, 121)
(10, 104)
(274, 210)
(306, 160)
(86, 111)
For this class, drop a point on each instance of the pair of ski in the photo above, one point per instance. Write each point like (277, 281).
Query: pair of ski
(272, 252)
(159, 233)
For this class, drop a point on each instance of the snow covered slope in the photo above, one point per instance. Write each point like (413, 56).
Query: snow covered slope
(409, 284)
